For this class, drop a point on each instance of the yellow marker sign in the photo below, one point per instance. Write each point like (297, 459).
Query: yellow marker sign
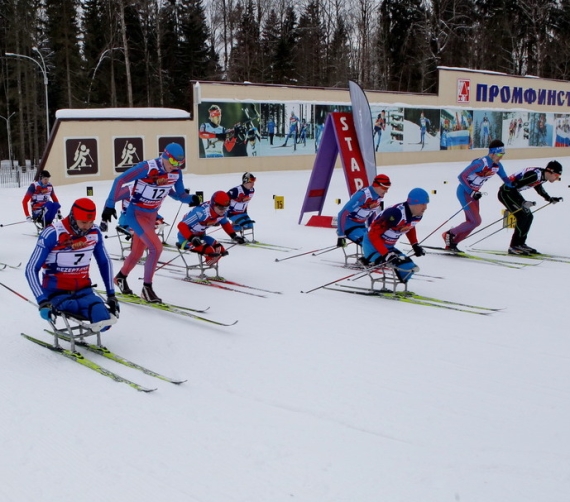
(509, 221)
(279, 201)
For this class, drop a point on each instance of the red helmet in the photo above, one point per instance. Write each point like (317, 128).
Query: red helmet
(381, 181)
(84, 210)
(220, 199)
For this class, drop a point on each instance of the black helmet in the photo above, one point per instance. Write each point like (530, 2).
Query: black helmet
(45, 174)
(554, 166)
(248, 178)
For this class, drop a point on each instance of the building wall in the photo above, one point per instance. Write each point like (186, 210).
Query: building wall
(105, 136)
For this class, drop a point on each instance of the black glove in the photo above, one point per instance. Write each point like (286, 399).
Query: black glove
(555, 200)
(108, 214)
(195, 201)
(196, 241)
(476, 195)
(418, 250)
(341, 242)
(113, 304)
(46, 310)
(237, 238)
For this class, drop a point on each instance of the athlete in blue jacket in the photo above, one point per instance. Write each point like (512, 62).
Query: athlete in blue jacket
(469, 192)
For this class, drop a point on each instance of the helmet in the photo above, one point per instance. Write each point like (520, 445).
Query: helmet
(381, 181)
(174, 153)
(220, 199)
(418, 196)
(248, 178)
(84, 210)
(45, 174)
(554, 166)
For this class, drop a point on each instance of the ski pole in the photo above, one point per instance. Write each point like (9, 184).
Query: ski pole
(502, 228)
(173, 221)
(18, 294)
(167, 263)
(325, 250)
(328, 248)
(10, 224)
(371, 269)
(490, 225)
(448, 219)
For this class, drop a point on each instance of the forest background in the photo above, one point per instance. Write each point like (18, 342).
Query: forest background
(145, 53)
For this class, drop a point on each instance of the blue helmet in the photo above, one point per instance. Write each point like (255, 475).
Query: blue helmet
(173, 151)
(418, 196)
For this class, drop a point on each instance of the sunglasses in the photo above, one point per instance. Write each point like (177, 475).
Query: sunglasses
(175, 162)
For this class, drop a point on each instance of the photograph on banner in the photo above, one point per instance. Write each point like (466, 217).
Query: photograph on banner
(456, 129)
(421, 129)
(223, 130)
(320, 117)
(487, 126)
(562, 130)
(516, 129)
(541, 133)
(391, 138)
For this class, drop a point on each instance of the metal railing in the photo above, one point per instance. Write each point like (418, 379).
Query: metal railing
(16, 177)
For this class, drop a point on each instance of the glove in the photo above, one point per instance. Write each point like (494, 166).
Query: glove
(195, 201)
(555, 200)
(29, 218)
(237, 238)
(341, 242)
(113, 304)
(196, 241)
(108, 214)
(418, 250)
(528, 203)
(476, 195)
(46, 310)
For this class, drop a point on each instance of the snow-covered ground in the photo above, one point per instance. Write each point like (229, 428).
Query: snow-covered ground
(320, 397)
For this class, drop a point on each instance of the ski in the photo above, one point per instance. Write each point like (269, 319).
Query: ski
(407, 298)
(410, 294)
(88, 363)
(533, 256)
(468, 256)
(219, 285)
(167, 307)
(105, 352)
(137, 299)
(240, 285)
(355, 266)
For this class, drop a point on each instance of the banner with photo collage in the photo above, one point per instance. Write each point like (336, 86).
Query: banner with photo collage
(232, 129)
